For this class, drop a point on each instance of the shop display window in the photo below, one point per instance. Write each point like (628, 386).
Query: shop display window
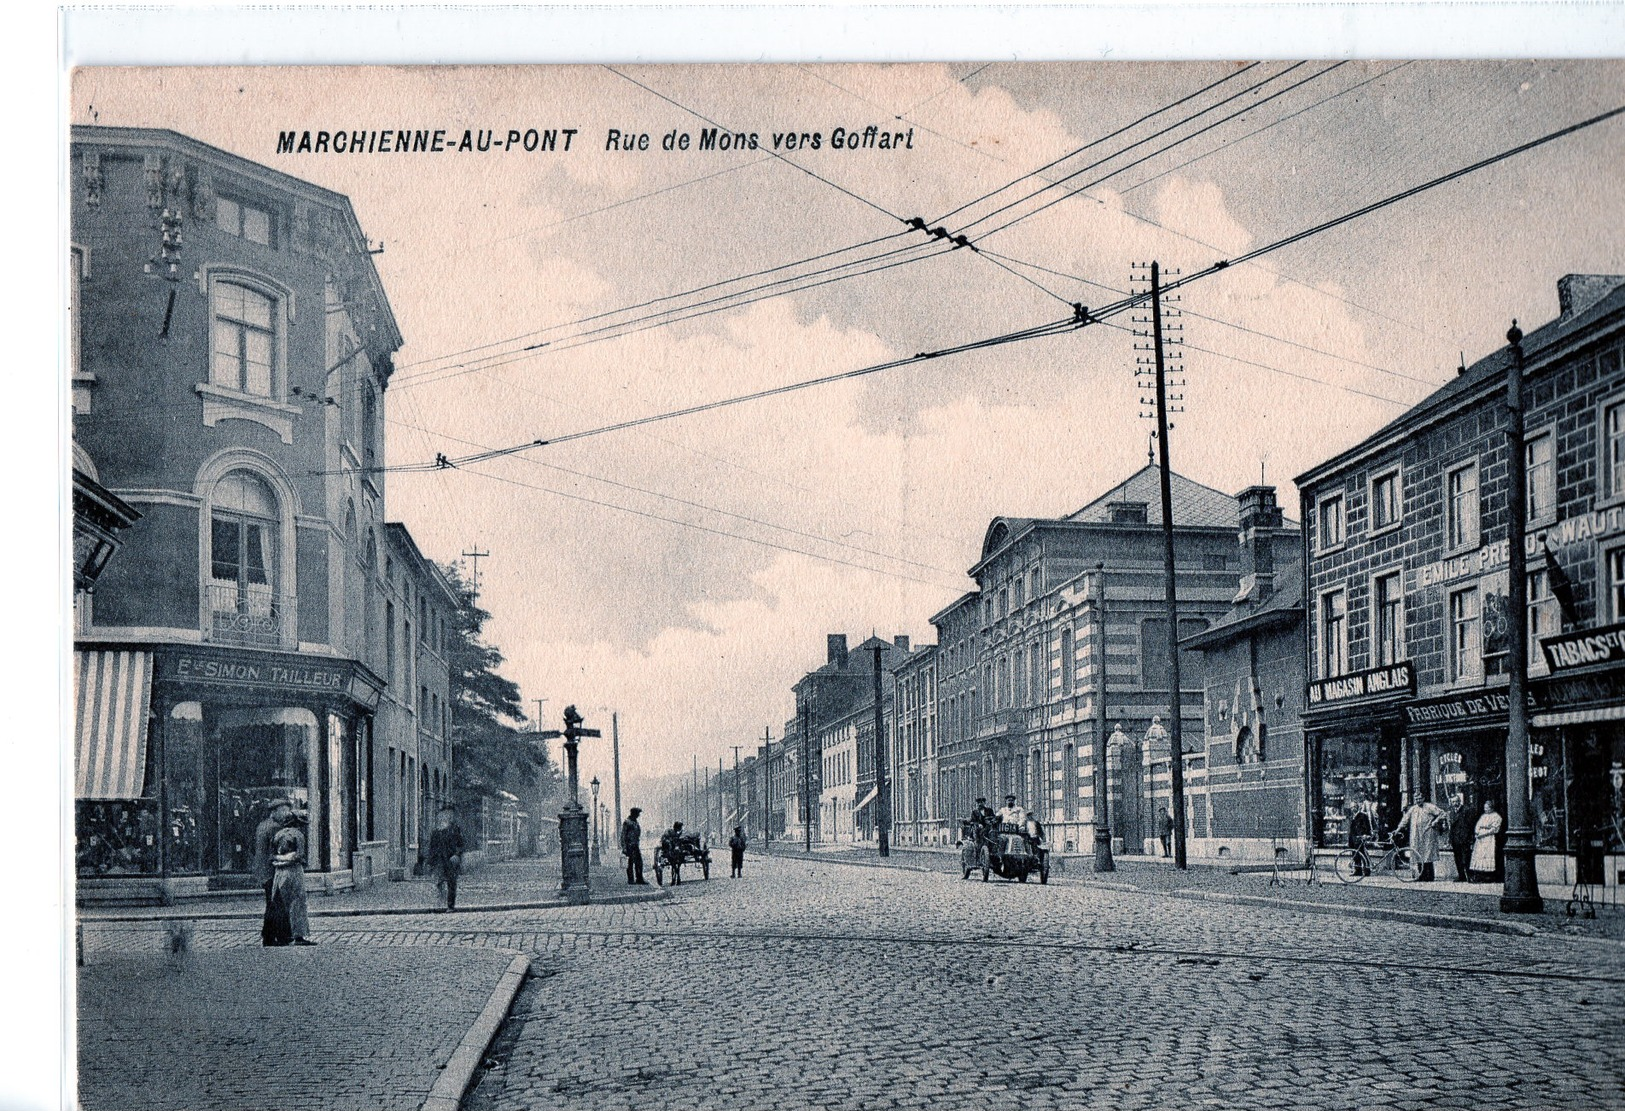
(116, 837)
(1596, 786)
(1348, 784)
(1549, 790)
(264, 754)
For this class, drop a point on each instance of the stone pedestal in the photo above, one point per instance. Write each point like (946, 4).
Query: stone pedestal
(573, 846)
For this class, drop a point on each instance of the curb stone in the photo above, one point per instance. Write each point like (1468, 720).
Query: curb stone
(364, 912)
(458, 1073)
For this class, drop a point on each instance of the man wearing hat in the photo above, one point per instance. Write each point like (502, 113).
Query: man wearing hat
(446, 855)
(1011, 814)
(264, 833)
(982, 814)
(632, 847)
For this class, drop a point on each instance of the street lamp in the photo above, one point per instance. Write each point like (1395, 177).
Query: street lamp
(597, 857)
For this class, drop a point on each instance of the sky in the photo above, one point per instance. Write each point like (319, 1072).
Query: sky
(685, 573)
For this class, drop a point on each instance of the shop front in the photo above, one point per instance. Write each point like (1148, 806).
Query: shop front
(1354, 726)
(182, 749)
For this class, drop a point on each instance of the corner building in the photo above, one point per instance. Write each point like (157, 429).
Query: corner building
(232, 342)
(1406, 544)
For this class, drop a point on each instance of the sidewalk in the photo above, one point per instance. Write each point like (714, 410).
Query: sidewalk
(324, 1029)
(502, 885)
(1461, 904)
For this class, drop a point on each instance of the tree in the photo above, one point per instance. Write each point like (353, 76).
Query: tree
(492, 753)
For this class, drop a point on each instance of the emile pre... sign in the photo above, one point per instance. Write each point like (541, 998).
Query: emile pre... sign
(1397, 678)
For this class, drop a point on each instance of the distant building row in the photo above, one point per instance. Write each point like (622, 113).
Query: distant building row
(1351, 664)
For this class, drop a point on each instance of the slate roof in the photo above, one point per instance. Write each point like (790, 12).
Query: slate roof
(1195, 505)
(1285, 604)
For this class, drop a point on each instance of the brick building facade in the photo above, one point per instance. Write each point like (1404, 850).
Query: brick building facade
(1405, 548)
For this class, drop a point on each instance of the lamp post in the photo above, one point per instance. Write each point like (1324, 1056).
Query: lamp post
(573, 820)
(597, 857)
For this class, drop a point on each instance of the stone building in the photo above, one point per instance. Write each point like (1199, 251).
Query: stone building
(1406, 542)
(912, 756)
(1252, 668)
(232, 341)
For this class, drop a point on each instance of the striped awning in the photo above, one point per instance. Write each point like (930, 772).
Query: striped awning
(111, 691)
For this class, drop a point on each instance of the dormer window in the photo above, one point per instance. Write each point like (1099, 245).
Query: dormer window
(244, 221)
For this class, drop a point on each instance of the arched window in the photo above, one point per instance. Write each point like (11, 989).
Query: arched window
(244, 535)
(1246, 746)
(1069, 774)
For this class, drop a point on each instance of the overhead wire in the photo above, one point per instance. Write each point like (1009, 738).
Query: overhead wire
(1083, 315)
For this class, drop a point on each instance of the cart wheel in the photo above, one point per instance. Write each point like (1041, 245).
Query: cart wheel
(1350, 866)
(1405, 865)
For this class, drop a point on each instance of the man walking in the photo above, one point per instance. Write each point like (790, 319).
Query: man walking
(264, 870)
(446, 855)
(632, 847)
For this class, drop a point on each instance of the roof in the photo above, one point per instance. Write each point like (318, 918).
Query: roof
(1542, 344)
(1194, 505)
(1283, 606)
(427, 568)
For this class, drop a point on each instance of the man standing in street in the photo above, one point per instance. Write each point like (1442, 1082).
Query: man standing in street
(736, 850)
(632, 847)
(446, 855)
(264, 870)
(1165, 829)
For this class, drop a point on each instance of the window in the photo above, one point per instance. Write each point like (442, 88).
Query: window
(1540, 476)
(1001, 695)
(1067, 661)
(1616, 583)
(76, 277)
(1036, 586)
(243, 534)
(1461, 507)
(243, 220)
(1329, 520)
(1466, 636)
(244, 356)
(1015, 594)
(1246, 746)
(1069, 777)
(1545, 618)
(1035, 667)
(1613, 447)
(389, 642)
(1334, 643)
(1388, 619)
(1386, 507)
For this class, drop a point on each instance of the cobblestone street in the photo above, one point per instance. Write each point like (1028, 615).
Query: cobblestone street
(817, 985)
(812, 983)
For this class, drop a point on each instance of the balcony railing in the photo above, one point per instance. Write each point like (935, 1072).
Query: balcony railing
(250, 615)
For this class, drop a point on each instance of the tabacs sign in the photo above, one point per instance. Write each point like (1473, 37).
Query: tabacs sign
(1392, 679)
(1585, 648)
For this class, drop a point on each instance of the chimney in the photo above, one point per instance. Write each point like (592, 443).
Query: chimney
(901, 643)
(1127, 512)
(1259, 513)
(1578, 292)
(837, 649)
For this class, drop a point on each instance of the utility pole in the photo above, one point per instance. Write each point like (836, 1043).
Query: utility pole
(1176, 749)
(1520, 891)
(739, 805)
(767, 786)
(694, 792)
(705, 800)
(722, 823)
(474, 557)
(1103, 822)
(538, 702)
(882, 801)
(615, 740)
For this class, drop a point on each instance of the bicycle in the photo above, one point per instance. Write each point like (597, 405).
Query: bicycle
(1353, 865)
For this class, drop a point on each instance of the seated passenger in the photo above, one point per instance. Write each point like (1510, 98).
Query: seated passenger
(1012, 815)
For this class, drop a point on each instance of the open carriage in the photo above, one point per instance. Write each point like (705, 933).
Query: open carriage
(1004, 851)
(688, 850)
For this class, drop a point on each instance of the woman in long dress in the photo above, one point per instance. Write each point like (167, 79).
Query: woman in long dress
(1481, 867)
(288, 885)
